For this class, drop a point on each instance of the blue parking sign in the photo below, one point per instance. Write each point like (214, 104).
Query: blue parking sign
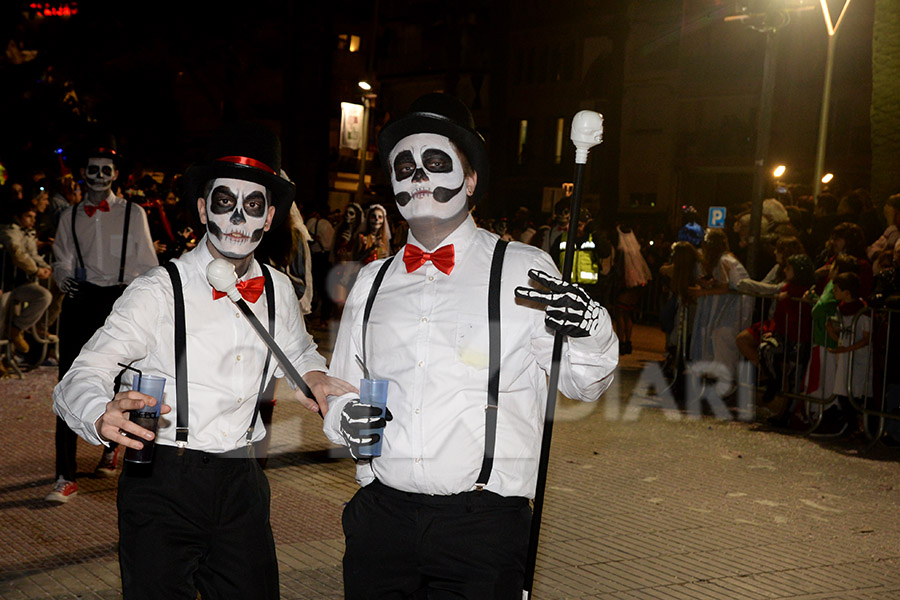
(717, 217)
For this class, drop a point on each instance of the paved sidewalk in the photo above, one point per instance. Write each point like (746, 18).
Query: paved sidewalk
(652, 508)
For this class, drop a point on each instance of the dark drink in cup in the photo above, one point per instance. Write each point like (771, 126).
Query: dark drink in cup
(147, 417)
(148, 421)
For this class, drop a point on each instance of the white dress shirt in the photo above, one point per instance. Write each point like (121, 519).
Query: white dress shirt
(428, 335)
(225, 355)
(100, 240)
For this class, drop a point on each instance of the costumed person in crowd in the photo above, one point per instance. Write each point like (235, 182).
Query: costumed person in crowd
(322, 233)
(446, 509)
(344, 254)
(633, 275)
(375, 240)
(101, 245)
(199, 520)
(720, 314)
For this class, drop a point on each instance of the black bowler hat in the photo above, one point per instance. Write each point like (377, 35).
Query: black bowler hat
(443, 115)
(94, 144)
(247, 151)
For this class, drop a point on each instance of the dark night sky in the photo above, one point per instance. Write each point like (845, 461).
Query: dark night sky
(152, 73)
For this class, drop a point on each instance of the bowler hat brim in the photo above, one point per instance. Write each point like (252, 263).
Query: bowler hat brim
(281, 191)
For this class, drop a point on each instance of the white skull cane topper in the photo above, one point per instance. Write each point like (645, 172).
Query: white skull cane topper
(427, 177)
(100, 174)
(237, 212)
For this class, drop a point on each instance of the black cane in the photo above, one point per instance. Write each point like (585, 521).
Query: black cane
(587, 132)
(220, 274)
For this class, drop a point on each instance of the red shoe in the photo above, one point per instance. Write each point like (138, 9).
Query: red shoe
(108, 462)
(62, 491)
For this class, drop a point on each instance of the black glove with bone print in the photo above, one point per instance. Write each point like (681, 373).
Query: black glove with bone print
(569, 308)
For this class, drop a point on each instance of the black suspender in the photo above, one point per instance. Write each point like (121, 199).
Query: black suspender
(124, 241)
(181, 381)
(490, 411)
(493, 392)
(181, 376)
(371, 300)
(270, 303)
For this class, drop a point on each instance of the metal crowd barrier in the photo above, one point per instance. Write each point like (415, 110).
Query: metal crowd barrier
(796, 357)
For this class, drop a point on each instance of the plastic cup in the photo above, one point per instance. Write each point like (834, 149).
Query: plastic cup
(147, 417)
(373, 392)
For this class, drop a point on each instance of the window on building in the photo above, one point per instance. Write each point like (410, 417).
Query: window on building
(560, 135)
(523, 136)
(348, 42)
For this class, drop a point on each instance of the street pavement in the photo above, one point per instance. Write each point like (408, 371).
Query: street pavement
(640, 504)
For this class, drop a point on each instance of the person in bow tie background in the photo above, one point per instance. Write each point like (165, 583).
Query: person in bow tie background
(444, 511)
(100, 246)
(200, 516)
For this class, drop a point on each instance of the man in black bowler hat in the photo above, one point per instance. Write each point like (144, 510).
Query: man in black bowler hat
(197, 519)
(458, 330)
(100, 246)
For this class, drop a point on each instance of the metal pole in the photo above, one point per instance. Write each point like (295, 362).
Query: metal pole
(363, 151)
(587, 130)
(763, 135)
(823, 118)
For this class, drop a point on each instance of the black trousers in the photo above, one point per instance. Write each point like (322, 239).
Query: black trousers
(414, 546)
(196, 522)
(81, 316)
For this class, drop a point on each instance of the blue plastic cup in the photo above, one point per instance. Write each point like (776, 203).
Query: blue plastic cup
(147, 417)
(374, 393)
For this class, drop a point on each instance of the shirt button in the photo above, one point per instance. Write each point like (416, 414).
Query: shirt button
(239, 358)
(424, 319)
(418, 411)
(240, 400)
(418, 460)
(237, 315)
(421, 363)
(431, 278)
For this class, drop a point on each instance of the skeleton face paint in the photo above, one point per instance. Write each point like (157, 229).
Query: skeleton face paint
(428, 178)
(100, 174)
(376, 220)
(236, 215)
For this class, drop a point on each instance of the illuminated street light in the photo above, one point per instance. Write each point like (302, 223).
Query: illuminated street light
(826, 92)
(827, 177)
(365, 85)
(779, 170)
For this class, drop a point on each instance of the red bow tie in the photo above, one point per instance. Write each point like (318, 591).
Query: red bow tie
(250, 290)
(442, 258)
(90, 209)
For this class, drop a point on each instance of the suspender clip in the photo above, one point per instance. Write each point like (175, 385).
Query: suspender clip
(494, 406)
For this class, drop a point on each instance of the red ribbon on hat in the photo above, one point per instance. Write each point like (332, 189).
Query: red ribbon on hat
(250, 162)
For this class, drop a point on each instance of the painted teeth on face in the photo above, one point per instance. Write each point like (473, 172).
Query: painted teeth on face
(236, 213)
(427, 173)
(99, 174)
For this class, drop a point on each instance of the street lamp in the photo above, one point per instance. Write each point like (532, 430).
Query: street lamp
(779, 171)
(367, 97)
(826, 92)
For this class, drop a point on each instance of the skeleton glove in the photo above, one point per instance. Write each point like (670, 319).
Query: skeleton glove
(72, 287)
(355, 417)
(569, 308)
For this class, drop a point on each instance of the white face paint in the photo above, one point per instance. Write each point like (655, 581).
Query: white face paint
(236, 215)
(428, 178)
(100, 174)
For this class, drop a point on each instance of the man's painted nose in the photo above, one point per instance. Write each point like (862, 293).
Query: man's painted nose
(419, 175)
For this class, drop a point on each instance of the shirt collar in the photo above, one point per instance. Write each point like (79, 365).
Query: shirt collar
(461, 238)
